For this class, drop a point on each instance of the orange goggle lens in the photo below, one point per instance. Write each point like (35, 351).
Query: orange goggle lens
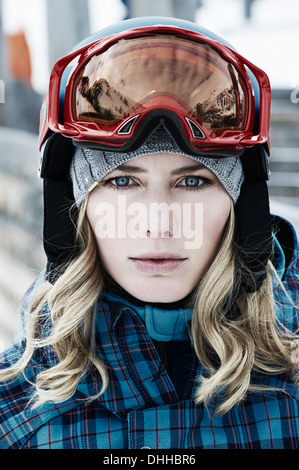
(125, 78)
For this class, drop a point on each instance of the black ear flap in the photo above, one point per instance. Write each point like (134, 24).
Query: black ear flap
(56, 158)
(59, 230)
(253, 221)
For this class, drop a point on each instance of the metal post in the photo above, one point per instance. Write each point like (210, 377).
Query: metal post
(150, 8)
(185, 9)
(127, 5)
(68, 24)
(248, 9)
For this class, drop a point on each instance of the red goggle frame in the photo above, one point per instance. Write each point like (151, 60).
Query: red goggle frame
(104, 93)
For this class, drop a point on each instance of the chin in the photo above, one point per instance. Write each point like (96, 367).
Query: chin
(160, 294)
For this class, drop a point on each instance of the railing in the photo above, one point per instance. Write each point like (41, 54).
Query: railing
(21, 251)
(284, 161)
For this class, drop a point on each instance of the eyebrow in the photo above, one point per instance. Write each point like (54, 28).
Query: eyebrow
(186, 169)
(131, 168)
(178, 171)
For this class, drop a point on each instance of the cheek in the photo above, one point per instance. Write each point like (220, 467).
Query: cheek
(215, 217)
(91, 210)
(109, 253)
(101, 215)
(105, 244)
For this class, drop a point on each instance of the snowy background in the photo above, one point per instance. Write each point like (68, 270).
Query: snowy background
(270, 39)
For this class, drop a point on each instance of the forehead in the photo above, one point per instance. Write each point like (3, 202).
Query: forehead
(159, 162)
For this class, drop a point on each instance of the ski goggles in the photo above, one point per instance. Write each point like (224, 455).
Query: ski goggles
(110, 93)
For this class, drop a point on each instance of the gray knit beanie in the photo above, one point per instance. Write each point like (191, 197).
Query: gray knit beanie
(90, 166)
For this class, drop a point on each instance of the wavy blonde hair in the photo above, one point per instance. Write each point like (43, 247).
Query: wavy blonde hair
(228, 349)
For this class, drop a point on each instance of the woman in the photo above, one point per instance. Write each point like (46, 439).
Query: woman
(168, 318)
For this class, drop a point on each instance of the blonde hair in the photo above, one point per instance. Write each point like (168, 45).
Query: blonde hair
(255, 341)
(228, 349)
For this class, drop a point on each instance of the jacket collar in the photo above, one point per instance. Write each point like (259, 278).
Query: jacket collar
(132, 363)
(163, 324)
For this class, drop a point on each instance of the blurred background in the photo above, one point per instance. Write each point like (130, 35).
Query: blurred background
(34, 34)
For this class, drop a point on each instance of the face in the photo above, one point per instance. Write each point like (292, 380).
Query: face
(158, 221)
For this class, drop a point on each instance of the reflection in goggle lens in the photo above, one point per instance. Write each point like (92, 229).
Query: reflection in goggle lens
(134, 73)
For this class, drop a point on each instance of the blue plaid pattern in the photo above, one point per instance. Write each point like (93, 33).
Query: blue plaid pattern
(140, 408)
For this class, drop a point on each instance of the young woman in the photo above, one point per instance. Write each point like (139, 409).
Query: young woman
(167, 318)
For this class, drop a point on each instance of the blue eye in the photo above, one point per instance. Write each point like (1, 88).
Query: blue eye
(122, 181)
(193, 181)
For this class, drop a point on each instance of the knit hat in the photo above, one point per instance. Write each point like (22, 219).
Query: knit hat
(90, 166)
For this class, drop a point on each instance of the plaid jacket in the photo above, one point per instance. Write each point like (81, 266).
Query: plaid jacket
(140, 409)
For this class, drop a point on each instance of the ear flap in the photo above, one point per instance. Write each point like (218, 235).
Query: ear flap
(254, 233)
(59, 231)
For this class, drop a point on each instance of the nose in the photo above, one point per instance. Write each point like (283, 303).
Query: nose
(162, 213)
(160, 221)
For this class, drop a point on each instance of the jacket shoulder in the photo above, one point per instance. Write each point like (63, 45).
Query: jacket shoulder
(19, 422)
(26, 302)
(286, 293)
(12, 355)
(288, 240)
(15, 395)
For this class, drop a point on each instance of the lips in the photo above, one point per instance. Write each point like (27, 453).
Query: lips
(158, 263)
